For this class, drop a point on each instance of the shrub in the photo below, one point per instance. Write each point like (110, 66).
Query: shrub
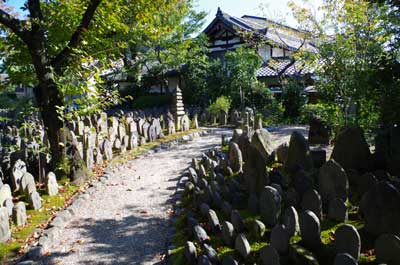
(293, 98)
(274, 113)
(270, 107)
(328, 113)
(222, 103)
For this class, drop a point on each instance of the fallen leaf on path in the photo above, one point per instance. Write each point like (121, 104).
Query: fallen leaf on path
(73, 250)
(22, 250)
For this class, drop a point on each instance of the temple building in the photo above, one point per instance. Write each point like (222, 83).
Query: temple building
(274, 42)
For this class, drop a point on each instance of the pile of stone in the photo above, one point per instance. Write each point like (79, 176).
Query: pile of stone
(98, 137)
(15, 211)
(23, 142)
(93, 139)
(292, 200)
(21, 159)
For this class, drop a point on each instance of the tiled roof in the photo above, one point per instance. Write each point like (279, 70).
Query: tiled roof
(281, 35)
(276, 66)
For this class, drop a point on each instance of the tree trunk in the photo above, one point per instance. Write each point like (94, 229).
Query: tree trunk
(53, 124)
(54, 128)
(33, 33)
(48, 98)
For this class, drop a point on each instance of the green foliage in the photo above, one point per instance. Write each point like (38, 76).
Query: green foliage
(151, 101)
(22, 106)
(65, 48)
(94, 102)
(175, 47)
(222, 103)
(293, 98)
(267, 105)
(241, 67)
(203, 77)
(357, 60)
(119, 29)
(208, 78)
(329, 113)
(7, 101)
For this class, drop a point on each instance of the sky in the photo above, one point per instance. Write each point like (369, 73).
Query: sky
(272, 9)
(16, 3)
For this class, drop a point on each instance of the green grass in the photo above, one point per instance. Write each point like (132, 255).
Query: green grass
(225, 149)
(295, 239)
(36, 218)
(177, 254)
(324, 256)
(305, 256)
(329, 227)
(225, 251)
(256, 246)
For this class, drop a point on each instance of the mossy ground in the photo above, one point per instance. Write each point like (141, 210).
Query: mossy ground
(22, 236)
(324, 256)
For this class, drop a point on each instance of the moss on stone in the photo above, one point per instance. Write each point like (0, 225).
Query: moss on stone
(36, 218)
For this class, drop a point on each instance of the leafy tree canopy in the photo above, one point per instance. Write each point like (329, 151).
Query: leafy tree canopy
(357, 61)
(63, 47)
(241, 66)
(115, 26)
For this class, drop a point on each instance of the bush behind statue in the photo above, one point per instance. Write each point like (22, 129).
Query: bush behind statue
(222, 103)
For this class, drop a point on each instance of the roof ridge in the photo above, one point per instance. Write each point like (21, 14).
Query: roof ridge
(275, 22)
(254, 17)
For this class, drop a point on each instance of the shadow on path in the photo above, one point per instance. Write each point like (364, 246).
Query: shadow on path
(109, 239)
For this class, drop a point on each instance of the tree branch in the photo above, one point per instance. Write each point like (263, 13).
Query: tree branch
(292, 60)
(284, 42)
(76, 37)
(34, 9)
(14, 24)
(283, 70)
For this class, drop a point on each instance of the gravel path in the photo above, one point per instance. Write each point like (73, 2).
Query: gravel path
(281, 134)
(125, 220)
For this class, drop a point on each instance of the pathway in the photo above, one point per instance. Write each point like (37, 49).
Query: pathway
(125, 221)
